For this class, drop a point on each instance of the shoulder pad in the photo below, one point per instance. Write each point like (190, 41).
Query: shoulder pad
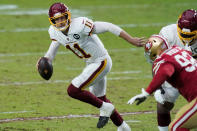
(169, 32)
(81, 25)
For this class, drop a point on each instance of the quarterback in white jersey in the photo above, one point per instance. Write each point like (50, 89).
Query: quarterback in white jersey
(79, 36)
(183, 34)
(80, 40)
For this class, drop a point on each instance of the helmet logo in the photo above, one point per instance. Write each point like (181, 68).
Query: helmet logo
(148, 46)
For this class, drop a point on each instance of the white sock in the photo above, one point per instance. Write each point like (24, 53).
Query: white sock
(124, 127)
(163, 128)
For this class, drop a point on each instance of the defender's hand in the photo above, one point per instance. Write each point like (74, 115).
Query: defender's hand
(139, 98)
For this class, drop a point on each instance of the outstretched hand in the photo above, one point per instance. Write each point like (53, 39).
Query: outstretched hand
(139, 42)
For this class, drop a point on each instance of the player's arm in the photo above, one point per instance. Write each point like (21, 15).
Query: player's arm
(100, 27)
(163, 72)
(50, 54)
(53, 48)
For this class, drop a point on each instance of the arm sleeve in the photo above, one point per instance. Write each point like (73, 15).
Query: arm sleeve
(101, 27)
(88, 26)
(51, 53)
(164, 72)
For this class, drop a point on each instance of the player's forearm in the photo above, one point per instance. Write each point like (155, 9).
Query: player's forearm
(51, 53)
(101, 27)
(127, 37)
(155, 84)
(163, 73)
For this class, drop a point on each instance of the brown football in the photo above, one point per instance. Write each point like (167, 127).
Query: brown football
(45, 68)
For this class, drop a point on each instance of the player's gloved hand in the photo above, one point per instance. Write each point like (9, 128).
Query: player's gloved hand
(139, 98)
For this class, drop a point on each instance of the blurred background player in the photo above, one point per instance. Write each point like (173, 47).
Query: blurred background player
(176, 66)
(79, 36)
(182, 34)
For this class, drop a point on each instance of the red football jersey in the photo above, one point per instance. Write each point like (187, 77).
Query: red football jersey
(177, 67)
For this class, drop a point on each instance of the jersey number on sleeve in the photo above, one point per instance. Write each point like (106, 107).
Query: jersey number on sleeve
(184, 59)
(79, 51)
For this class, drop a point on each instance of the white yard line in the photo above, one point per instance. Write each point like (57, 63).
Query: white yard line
(34, 82)
(37, 11)
(134, 6)
(61, 52)
(73, 116)
(45, 10)
(8, 7)
(121, 72)
(144, 25)
(46, 28)
(67, 81)
(132, 121)
(31, 54)
(126, 72)
(14, 112)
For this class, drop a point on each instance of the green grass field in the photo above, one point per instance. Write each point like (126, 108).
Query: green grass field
(24, 38)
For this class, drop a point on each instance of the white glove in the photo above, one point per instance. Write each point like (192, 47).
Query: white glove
(140, 98)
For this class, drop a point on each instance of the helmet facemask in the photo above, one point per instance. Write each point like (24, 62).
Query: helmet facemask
(186, 36)
(187, 27)
(61, 21)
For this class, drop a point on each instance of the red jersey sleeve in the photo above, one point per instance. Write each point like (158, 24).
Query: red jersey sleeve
(165, 71)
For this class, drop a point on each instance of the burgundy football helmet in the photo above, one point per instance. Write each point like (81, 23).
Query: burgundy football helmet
(187, 26)
(59, 16)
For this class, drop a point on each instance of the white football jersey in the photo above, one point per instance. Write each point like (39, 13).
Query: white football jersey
(80, 40)
(170, 33)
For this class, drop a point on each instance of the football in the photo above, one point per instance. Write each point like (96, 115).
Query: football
(45, 68)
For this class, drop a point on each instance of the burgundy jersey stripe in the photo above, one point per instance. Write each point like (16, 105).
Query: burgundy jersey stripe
(93, 76)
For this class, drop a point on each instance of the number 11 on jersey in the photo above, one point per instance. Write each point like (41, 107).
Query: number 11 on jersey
(77, 47)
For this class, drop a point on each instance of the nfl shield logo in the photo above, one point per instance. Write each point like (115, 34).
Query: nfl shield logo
(76, 36)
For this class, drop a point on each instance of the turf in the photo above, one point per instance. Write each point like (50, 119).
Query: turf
(22, 89)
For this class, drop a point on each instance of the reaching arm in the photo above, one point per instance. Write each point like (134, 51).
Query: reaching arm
(165, 71)
(100, 27)
(51, 53)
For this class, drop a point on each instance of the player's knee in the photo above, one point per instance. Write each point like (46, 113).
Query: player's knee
(159, 97)
(164, 108)
(163, 105)
(104, 98)
(72, 90)
(168, 105)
